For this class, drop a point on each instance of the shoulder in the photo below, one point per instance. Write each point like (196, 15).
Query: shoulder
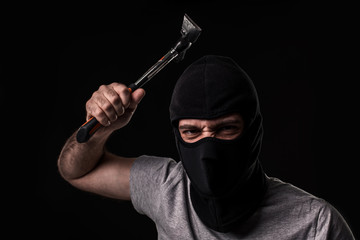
(304, 209)
(287, 197)
(279, 190)
(156, 169)
(286, 201)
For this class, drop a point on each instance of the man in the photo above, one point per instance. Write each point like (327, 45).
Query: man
(218, 189)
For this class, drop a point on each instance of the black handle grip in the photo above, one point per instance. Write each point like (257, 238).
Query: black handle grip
(87, 130)
(132, 87)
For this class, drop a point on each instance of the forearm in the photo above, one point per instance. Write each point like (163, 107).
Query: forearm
(77, 159)
(113, 106)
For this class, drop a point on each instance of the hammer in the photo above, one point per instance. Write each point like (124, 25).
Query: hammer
(190, 32)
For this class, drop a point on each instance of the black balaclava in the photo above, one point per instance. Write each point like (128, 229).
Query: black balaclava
(227, 182)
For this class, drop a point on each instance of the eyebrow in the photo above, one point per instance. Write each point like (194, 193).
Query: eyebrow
(187, 126)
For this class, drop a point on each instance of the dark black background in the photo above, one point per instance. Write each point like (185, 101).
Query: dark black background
(298, 54)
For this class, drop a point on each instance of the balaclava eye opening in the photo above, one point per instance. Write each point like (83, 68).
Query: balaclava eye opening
(227, 182)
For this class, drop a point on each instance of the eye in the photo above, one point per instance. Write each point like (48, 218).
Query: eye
(190, 132)
(228, 128)
(228, 131)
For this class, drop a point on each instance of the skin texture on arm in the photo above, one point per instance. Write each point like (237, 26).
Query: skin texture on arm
(88, 166)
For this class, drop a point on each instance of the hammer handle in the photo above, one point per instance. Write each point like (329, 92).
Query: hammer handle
(87, 130)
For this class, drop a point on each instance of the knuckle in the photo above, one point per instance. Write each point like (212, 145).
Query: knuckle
(116, 84)
(106, 106)
(98, 113)
(101, 101)
(102, 87)
(125, 91)
(114, 97)
(121, 89)
(95, 95)
(116, 101)
(88, 103)
(89, 106)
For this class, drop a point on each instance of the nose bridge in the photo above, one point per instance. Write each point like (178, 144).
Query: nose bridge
(207, 132)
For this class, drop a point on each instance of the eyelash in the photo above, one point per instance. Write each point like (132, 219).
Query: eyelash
(190, 131)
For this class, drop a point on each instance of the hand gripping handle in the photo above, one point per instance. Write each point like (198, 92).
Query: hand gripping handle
(92, 125)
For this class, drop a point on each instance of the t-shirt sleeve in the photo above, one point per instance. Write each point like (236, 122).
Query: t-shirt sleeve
(332, 225)
(148, 176)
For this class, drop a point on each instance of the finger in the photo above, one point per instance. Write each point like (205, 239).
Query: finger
(93, 110)
(107, 108)
(101, 108)
(123, 92)
(115, 100)
(136, 98)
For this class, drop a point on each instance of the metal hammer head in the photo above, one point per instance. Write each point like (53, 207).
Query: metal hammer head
(190, 32)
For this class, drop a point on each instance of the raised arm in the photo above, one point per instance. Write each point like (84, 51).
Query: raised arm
(88, 166)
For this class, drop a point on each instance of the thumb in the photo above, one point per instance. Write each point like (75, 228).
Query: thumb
(136, 98)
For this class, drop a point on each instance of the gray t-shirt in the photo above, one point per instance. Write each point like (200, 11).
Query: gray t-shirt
(159, 189)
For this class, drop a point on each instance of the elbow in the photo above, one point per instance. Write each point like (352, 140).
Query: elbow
(65, 169)
(62, 170)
